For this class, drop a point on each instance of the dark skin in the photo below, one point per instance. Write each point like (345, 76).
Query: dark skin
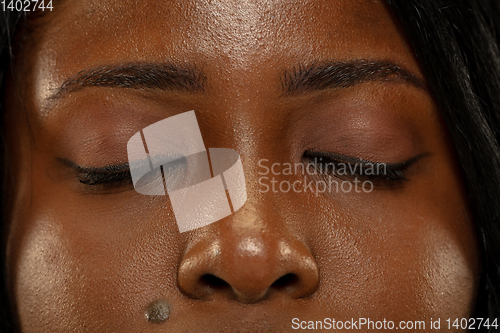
(93, 258)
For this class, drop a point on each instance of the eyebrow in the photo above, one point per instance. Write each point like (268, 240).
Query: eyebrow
(146, 76)
(298, 79)
(344, 74)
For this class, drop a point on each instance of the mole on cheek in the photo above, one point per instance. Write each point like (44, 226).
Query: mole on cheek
(157, 311)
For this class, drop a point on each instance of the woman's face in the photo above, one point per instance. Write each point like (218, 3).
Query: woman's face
(281, 83)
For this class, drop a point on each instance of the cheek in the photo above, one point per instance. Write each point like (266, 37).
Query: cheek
(451, 277)
(73, 266)
(398, 255)
(419, 270)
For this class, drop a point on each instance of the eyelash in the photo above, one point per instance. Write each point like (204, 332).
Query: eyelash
(117, 175)
(394, 173)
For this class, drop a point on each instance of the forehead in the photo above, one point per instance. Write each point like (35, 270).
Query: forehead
(225, 36)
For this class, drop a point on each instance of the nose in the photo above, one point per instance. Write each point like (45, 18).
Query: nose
(248, 266)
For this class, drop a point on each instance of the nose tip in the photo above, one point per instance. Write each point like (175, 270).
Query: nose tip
(248, 269)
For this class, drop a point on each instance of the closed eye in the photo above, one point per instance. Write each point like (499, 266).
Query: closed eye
(109, 175)
(350, 168)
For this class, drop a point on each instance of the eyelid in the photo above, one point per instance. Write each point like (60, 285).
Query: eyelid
(101, 175)
(394, 172)
(104, 169)
(108, 169)
(354, 160)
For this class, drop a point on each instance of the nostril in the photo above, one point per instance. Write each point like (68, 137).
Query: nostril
(272, 267)
(285, 281)
(214, 282)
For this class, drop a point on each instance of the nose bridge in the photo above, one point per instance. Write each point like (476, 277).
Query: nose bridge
(251, 122)
(244, 96)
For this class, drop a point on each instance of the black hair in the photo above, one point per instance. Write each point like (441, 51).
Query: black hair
(9, 21)
(457, 44)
